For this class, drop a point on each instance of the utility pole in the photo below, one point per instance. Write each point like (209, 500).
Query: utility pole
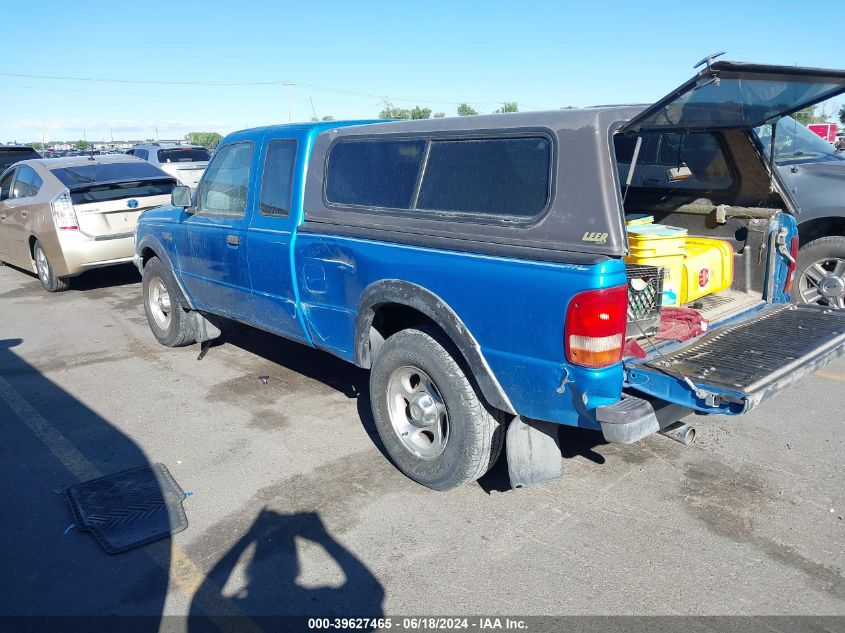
(313, 111)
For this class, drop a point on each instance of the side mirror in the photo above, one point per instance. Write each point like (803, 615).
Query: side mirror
(180, 196)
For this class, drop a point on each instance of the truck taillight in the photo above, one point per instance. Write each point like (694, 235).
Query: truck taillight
(790, 272)
(594, 333)
(64, 215)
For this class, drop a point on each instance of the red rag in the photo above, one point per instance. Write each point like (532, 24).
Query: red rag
(680, 324)
(633, 349)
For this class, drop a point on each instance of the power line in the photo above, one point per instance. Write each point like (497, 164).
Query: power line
(279, 82)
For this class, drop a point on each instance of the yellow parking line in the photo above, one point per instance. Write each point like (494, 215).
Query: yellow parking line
(831, 375)
(182, 571)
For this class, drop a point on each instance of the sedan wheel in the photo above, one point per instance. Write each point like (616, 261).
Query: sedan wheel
(42, 266)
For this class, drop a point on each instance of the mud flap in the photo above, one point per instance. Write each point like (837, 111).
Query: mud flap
(204, 329)
(533, 451)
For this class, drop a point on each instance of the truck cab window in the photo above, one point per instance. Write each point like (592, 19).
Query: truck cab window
(277, 179)
(223, 189)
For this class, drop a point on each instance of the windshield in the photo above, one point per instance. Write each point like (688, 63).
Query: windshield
(795, 143)
(183, 155)
(106, 172)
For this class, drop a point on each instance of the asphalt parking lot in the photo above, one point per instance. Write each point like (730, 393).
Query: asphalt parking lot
(294, 509)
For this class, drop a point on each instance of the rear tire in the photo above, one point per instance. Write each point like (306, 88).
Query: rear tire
(46, 276)
(432, 422)
(169, 321)
(820, 272)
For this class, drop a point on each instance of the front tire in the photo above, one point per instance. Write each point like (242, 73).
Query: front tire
(46, 276)
(820, 273)
(432, 422)
(168, 320)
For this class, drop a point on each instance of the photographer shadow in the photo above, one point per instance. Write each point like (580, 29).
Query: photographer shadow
(264, 581)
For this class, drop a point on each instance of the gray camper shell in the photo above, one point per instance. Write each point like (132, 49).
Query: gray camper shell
(584, 198)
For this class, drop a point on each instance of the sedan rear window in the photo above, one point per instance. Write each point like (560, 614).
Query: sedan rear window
(106, 172)
(183, 155)
(120, 190)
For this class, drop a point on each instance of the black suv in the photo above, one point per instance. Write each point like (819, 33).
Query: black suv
(814, 172)
(11, 154)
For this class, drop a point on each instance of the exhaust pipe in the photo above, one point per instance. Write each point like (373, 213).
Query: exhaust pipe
(680, 432)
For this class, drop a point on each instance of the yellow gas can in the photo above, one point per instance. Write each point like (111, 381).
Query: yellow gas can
(707, 269)
(662, 246)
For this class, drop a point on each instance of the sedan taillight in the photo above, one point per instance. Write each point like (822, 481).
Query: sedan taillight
(64, 215)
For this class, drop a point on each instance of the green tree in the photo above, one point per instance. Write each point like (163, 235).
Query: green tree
(508, 106)
(809, 115)
(568, 108)
(466, 110)
(439, 115)
(80, 144)
(841, 115)
(208, 140)
(420, 113)
(390, 111)
(328, 117)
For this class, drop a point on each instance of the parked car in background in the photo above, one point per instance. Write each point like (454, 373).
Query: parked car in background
(479, 266)
(11, 154)
(60, 217)
(814, 171)
(184, 162)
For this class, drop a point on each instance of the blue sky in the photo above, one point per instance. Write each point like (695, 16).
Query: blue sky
(344, 56)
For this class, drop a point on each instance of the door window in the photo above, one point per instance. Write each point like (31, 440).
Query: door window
(225, 185)
(277, 179)
(6, 185)
(141, 153)
(27, 184)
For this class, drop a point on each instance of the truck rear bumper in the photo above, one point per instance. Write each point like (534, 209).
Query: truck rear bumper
(632, 418)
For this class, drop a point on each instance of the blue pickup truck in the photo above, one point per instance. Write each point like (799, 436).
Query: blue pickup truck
(477, 266)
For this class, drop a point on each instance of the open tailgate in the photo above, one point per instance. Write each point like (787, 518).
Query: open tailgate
(738, 365)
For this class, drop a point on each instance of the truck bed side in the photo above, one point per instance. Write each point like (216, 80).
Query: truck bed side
(524, 348)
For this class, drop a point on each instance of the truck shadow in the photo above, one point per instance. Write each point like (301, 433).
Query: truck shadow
(51, 441)
(353, 382)
(260, 576)
(346, 378)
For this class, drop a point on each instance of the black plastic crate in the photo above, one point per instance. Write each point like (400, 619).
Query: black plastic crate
(645, 293)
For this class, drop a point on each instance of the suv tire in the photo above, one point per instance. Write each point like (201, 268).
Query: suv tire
(414, 380)
(169, 321)
(820, 273)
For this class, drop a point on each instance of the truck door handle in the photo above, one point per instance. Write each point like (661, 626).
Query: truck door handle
(233, 240)
(24, 214)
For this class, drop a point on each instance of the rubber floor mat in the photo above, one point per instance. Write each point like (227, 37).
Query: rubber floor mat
(130, 508)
